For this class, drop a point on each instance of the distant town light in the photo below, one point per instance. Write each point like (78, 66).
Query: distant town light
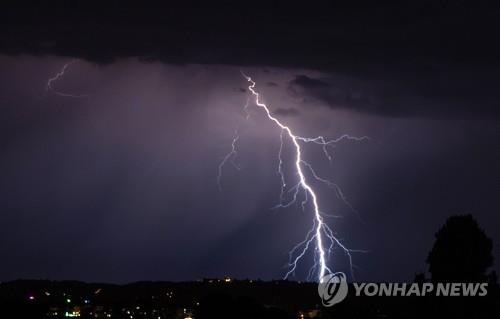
(72, 314)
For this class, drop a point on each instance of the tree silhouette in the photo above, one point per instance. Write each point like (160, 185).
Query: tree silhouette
(461, 252)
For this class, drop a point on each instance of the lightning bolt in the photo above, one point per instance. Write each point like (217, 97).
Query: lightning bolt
(320, 235)
(229, 156)
(50, 88)
(232, 153)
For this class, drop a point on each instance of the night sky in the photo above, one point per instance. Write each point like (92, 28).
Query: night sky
(121, 184)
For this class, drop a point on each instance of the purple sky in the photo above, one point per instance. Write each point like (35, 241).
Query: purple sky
(121, 185)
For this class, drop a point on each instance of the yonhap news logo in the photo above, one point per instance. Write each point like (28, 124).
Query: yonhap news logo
(333, 288)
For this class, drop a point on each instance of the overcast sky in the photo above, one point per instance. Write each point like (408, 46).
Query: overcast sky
(120, 184)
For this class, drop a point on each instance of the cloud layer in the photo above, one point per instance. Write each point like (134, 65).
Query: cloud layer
(418, 58)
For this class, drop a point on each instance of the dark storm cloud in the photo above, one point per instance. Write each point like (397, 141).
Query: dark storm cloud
(445, 49)
(286, 112)
(441, 96)
(122, 185)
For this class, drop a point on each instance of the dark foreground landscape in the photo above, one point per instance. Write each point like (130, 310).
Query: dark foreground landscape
(221, 298)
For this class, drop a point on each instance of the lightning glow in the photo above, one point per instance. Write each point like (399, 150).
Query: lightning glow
(50, 88)
(320, 235)
(229, 156)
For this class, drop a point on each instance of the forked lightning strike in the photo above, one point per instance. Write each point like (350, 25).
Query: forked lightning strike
(229, 156)
(50, 88)
(320, 233)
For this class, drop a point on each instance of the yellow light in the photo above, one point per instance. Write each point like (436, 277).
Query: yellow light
(72, 314)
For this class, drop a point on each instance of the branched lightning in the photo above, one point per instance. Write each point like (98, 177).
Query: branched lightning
(320, 235)
(229, 156)
(50, 88)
